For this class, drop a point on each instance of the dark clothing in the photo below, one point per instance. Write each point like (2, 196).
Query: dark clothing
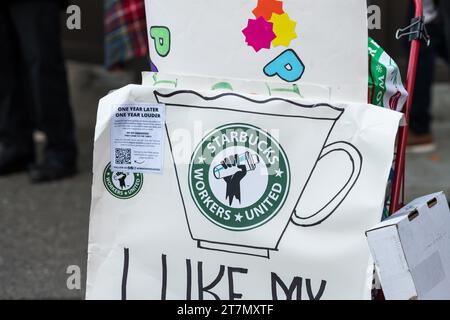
(33, 85)
(125, 31)
(439, 30)
(61, 3)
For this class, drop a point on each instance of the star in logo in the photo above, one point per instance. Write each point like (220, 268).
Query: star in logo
(284, 29)
(238, 217)
(201, 159)
(279, 173)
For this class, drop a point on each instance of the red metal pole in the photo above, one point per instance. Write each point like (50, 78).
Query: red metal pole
(396, 201)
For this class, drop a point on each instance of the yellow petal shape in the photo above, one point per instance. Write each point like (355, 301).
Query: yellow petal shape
(284, 29)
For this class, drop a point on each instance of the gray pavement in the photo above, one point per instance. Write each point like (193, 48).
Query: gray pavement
(44, 229)
(430, 173)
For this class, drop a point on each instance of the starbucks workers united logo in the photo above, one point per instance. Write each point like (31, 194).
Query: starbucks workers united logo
(122, 185)
(239, 177)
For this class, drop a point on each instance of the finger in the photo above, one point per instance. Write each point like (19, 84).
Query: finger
(227, 162)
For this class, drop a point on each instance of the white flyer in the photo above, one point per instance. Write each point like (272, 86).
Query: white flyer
(137, 137)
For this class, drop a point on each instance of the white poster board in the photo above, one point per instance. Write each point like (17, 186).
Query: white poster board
(322, 42)
(260, 198)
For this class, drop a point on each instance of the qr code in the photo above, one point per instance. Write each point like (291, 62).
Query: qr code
(123, 156)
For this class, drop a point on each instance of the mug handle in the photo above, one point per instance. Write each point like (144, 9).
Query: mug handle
(326, 211)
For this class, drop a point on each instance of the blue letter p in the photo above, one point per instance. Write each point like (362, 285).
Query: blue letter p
(287, 66)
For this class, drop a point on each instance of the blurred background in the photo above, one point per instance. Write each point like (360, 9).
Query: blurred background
(44, 228)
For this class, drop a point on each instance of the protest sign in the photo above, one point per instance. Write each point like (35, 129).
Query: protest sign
(320, 42)
(259, 198)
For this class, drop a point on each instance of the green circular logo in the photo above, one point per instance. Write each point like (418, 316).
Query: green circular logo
(122, 185)
(239, 177)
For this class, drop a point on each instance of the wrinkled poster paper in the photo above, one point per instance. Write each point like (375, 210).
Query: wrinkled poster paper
(261, 198)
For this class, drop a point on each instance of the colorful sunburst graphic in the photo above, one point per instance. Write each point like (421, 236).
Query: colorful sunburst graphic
(271, 26)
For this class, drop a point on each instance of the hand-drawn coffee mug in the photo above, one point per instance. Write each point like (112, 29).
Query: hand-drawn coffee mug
(267, 151)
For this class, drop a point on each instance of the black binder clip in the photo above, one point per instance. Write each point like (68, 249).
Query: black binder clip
(416, 30)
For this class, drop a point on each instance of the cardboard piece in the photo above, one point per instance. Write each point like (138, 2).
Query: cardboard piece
(412, 250)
